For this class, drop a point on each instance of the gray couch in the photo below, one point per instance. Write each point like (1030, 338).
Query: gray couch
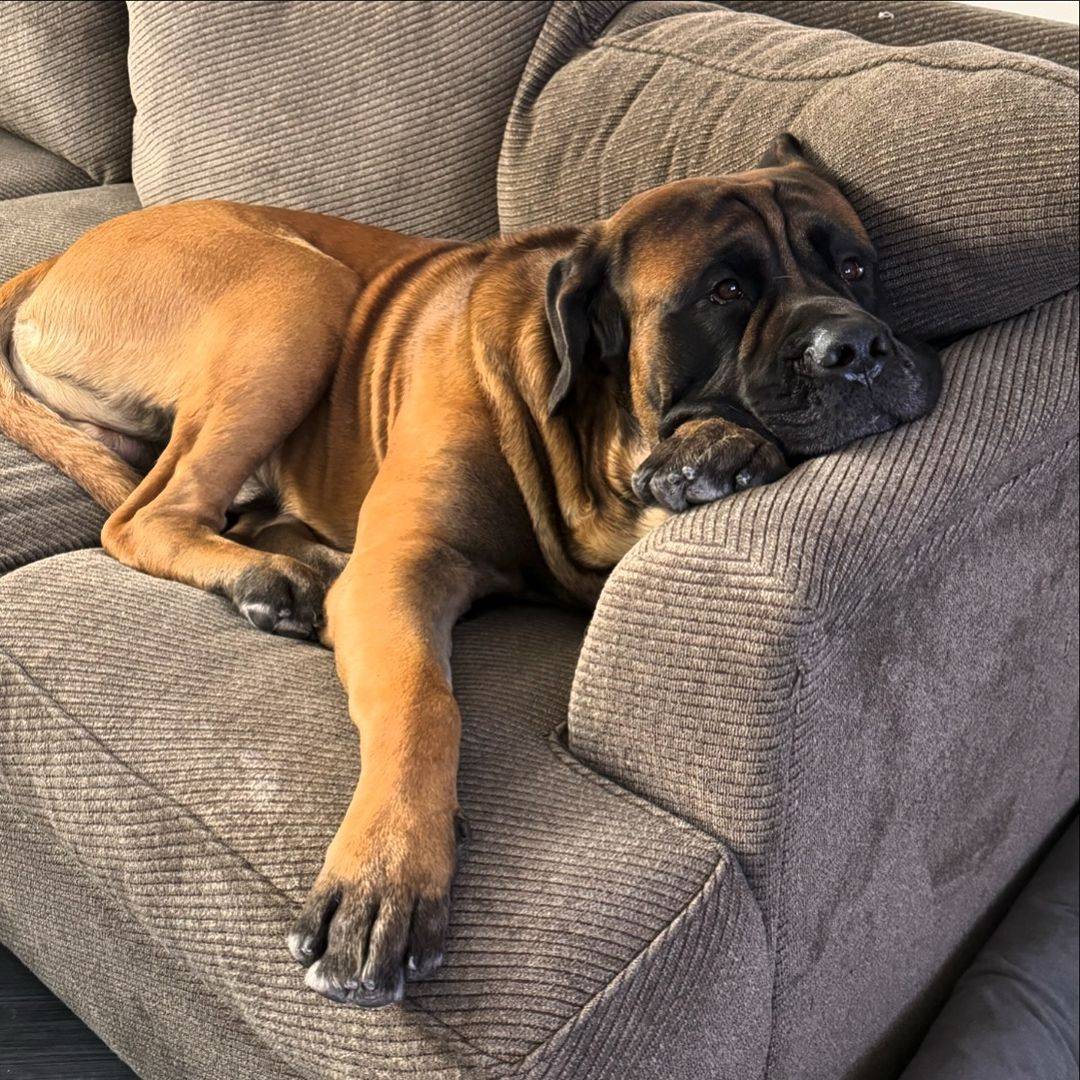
(758, 815)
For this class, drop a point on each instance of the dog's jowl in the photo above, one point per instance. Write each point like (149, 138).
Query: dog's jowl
(353, 435)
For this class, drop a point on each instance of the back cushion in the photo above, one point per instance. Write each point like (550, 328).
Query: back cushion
(961, 159)
(64, 84)
(916, 22)
(386, 112)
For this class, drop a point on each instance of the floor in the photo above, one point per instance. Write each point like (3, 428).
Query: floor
(41, 1039)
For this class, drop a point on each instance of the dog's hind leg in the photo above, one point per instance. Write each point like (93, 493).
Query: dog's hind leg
(105, 475)
(251, 396)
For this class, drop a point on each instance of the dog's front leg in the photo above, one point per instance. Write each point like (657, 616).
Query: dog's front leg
(378, 910)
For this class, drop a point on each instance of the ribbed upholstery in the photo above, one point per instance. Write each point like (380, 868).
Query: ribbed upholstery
(192, 777)
(42, 512)
(933, 145)
(64, 81)
(26, 169)
(386, 112)
(918, 22)
(39, 226)
(841, 673)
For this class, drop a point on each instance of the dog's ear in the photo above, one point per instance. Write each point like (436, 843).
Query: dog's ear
(784, 150)
(584, 316)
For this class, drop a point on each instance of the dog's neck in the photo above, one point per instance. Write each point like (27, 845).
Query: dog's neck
(573, 468)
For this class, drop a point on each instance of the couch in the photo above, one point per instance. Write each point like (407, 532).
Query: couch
(755, 817)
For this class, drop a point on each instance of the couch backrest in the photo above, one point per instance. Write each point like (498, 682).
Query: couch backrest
(919, 22)
(960, 158)
(387, 112)
(64, 83)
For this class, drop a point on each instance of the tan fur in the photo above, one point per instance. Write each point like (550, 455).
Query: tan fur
(392, 392)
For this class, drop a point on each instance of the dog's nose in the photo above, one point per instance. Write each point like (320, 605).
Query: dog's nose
(854, 348)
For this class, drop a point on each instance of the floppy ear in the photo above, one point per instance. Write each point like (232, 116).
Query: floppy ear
(785, 150)
(584, 317)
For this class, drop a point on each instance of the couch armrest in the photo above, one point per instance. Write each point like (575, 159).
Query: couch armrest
(864, 678)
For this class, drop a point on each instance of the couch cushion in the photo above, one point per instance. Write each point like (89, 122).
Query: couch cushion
(918, 22)
(38, 227)
(42, 512)
(1015, 1011)
(64, 84)
(189, 772)
(26, 169)
(961, 159)
(383, 112)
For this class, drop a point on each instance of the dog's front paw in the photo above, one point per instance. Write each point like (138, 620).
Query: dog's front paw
(703, 461)
(378, 913)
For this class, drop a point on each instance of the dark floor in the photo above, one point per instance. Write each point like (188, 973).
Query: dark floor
(41, 1039)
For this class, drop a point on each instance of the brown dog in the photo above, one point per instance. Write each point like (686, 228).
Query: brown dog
(462, 419)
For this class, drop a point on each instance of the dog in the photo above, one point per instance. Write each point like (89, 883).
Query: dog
(354, 435)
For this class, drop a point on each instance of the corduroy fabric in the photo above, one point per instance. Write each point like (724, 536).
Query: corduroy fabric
(920, 22)
(26, 169)
(386, 112)
(961, 159)
(80, 927)
(1016, 1011)
(64, 81)
(38, 227)
(191, 772)
(42, 512)
(864, 678)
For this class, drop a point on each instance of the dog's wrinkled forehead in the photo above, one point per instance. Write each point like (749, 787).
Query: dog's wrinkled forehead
(660, 239)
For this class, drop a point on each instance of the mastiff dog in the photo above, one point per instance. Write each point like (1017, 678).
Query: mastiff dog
(354, 435)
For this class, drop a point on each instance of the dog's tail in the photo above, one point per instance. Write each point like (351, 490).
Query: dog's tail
(107, 478)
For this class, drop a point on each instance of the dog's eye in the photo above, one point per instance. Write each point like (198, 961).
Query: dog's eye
(723, 292)
(851, 269)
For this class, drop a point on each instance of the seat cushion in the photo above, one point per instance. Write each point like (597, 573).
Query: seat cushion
(38, 227)
(171, 778)
(64, 82)
(42, 512)
(26, 169)
(1015, 1012)
(387, 113)
(960, 158)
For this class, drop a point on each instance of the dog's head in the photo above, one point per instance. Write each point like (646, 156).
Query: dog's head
(754, 297)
